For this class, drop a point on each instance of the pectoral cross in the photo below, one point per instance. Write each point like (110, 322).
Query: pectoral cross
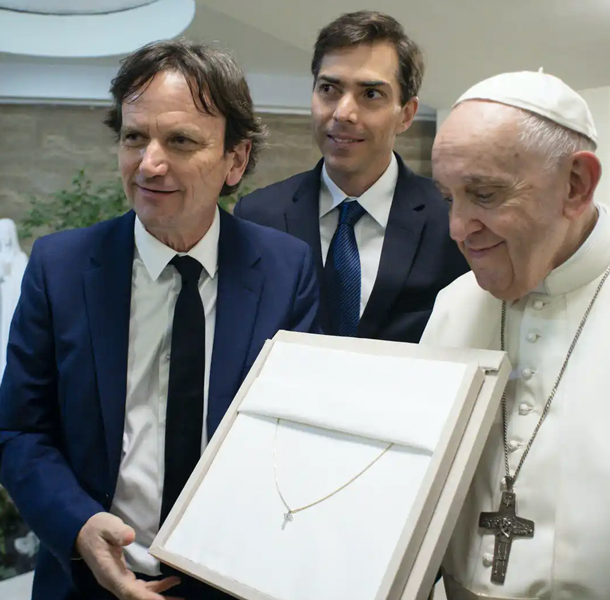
(506, 526)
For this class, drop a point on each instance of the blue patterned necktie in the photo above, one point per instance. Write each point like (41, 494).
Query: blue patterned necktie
(342, 273)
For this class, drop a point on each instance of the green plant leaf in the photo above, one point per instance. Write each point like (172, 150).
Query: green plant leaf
(83, 204)
(80, 205)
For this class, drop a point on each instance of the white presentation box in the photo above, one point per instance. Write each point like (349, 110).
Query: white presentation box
(313, 413)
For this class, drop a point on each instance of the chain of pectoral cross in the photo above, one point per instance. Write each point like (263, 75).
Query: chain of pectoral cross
(505, 524)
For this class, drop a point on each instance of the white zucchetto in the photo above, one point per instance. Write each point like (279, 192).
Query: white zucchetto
(538, 93)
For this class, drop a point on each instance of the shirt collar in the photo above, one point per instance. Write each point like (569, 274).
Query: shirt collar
(586, 264)
(156, 255)
(377, 200)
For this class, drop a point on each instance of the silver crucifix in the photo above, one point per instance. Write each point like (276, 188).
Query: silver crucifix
(506, 526)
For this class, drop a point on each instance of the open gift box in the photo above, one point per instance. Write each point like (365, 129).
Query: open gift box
(338, 472)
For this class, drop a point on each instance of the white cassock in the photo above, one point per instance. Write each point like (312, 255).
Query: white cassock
(12, 266)
(564, 485)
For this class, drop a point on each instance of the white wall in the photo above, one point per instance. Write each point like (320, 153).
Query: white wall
(598, 100)
(68, 83)
(441, 115)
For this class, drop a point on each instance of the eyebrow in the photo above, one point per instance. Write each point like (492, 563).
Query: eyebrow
(184, 131)
(483, 180)
(365, 84)
(130, 129)
(180, 130)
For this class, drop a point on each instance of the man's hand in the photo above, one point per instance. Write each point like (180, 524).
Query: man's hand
(100, 544)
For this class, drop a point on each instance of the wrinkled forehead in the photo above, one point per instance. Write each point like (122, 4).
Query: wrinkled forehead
(482, 139)
(168, 92)
(365, 63)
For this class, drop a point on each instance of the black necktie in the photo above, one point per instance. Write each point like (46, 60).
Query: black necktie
(184, 420)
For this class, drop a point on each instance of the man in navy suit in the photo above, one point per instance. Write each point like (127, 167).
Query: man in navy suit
(132, 337)
(379, 232)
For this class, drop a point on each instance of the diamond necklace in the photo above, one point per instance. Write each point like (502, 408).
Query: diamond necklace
(288, 516)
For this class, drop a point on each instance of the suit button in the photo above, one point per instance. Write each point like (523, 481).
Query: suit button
(527, 373)
(538, 305)
(488, 560)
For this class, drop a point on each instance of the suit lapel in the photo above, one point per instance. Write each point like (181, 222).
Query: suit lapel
(237, 303)
(302, 213)
(108, 303)
(402, 237)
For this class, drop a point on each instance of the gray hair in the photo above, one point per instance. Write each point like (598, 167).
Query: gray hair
(551, 139)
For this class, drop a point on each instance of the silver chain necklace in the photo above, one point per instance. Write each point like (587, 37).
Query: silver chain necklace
(505, 524)
(510, 481)
(288, 516)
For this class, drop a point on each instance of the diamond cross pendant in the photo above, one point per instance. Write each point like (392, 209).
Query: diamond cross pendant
(287, 518)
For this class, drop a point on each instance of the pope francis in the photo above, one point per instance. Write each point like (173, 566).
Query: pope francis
(516, 161)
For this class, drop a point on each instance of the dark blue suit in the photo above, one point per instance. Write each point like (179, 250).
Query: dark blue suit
(418, 258)
(62, 399)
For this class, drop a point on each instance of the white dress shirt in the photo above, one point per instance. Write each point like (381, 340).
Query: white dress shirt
(369, 230)
(155, 285)
(564, 486)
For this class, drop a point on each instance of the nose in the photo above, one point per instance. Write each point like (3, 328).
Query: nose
(463, 220)
(154, 161)
(346, 109)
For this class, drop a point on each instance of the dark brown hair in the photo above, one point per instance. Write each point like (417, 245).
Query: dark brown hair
(216, 81)
(370, 27)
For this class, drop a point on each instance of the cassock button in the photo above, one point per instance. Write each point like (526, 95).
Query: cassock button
(513, 445)
(538, 305)
(525, 409)
(488, 560)
(527, 373)
(531, 337)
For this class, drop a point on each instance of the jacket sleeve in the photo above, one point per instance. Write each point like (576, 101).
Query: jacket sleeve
(32, 466)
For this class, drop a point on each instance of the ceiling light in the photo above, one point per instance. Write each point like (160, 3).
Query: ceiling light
(71, 7)
(103, 28)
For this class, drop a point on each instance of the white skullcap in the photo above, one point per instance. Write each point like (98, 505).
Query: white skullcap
(538, 93)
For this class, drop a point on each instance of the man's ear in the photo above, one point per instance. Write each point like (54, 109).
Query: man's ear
(240, 155)
(409, 110)
(585, 173)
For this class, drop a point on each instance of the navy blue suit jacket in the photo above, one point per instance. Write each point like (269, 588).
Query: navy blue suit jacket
(418, 257)
(62, 399)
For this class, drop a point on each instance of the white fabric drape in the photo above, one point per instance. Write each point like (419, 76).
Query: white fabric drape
(340, 409)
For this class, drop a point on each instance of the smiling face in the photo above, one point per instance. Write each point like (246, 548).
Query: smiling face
(173, 161)
(513, 219)
(357, 112)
